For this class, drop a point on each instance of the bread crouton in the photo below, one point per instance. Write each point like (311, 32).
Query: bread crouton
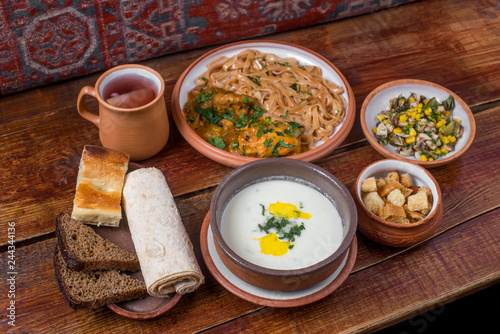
(426, 211)
(387, 188)
(428, 192)
(405, 180)
(373, 201)
(380, 183)
(392, 177)
(396, 197)
(369, 185)
(415, 215)
(418, 202)
(414, 190)
(391, 210)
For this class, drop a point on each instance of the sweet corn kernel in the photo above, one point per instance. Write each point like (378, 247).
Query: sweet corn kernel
(374, 130)
(445, 151)
(445, 140)
(411, 98)
(459, 121)
(386, 121)
(397, 130)
(412, 132)
(439, 124)
(423, 157)
(418, 117)
(431, 159)
(452, 139)
(403, 118)
(380, 117)
(428, 111)
(410, 140)
(448, 113)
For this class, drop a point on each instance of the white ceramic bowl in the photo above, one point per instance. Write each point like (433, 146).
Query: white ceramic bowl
(378, 100)
(304, 56)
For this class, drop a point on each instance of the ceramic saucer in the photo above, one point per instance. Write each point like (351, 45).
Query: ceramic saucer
(265, 297)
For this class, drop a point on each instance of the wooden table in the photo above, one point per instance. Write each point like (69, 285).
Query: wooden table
(455, 44)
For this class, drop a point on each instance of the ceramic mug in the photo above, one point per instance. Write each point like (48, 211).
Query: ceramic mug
(142, 131)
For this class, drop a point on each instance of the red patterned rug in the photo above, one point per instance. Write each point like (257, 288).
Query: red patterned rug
(44, 41)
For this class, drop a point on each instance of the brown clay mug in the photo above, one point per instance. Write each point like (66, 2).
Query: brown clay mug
(140, 128)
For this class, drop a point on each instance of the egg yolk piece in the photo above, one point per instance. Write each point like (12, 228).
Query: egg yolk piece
(287, 210)
(271, 245)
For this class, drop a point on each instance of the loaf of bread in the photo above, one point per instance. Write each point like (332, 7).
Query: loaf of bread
(93, 289)
(99, 186)
(83, 249)
(165, 252)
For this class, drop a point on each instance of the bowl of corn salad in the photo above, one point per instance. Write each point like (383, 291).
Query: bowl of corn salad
(417, 120)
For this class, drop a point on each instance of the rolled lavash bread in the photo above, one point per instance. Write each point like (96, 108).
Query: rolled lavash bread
(165, 252)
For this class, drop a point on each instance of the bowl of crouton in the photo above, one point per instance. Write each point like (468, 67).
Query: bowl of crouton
(399, 203)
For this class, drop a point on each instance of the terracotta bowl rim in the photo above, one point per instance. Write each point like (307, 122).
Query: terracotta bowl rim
(339, 252)
(393, 225)
(388, 154)
(234, 160)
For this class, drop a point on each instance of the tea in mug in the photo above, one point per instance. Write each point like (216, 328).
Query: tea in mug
(129, 91)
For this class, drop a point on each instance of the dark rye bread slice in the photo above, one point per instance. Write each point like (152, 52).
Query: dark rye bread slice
(93, 289)
(83, 249)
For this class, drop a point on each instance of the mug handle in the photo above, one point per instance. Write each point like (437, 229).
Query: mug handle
(80, 104)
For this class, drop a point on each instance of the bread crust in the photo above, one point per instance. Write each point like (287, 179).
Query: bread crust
(109, 296)
(99, 186)
(74, 257)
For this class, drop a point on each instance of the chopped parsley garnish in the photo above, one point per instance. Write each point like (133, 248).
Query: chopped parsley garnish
(259, 132)
(280, 143)
(268, 142)
(285, 229)
(209, 114)
(244, 118)
(204, 96)
(242, 121)
(295, 230)
(217, 142)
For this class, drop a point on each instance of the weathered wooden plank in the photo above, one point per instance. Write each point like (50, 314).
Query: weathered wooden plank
(432, 274)
(429, 276)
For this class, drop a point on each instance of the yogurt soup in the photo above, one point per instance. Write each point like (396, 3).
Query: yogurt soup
(282, 224)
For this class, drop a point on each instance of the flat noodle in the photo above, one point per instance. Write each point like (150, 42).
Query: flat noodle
(283, 88)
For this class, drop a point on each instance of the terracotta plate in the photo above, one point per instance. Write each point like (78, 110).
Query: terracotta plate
(269, 297)
(378, 100)
(304, 56)
(145, 308)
